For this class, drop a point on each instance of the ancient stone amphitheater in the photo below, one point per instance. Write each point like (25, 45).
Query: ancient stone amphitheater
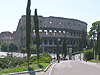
(51, 29)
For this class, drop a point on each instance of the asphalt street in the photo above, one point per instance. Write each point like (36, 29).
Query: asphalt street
(75, 68)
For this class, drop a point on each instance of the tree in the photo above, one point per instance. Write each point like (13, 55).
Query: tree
(23, 50)
(33, 49)
(95, 33)
(37, 38)
(73, 46)
(4, 47)
(79, 44)
(88, 55)
(99, 47)
(76, 47)
(28, 31)
(84, 36)
(57, 49)
(64, 48)
(13, 47)
(91, 43)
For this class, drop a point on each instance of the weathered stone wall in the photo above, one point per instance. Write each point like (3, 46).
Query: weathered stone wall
(70, 27)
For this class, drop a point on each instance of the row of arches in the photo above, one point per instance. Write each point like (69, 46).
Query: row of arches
(50, 32)
(54, 42)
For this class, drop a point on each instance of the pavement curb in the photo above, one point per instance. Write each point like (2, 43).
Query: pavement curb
(47, 67)
(24, 72)
(52, 68)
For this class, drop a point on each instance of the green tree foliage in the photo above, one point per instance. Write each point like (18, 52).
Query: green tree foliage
(4, 47)
(37, 38)
(12, 62)
(84, 37)
(64, 48)
(33, 49)
(76, 47)
(80, 44)
(57, 49)
(13, 47)
(95, 31)
(46, 55)
(23, 50)
(45, 60)
(99, 47)
(0, 47)
(73, 46)
(88, 55)
(28, 30)
(91, 43)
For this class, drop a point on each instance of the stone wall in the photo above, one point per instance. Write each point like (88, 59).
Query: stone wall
(51, 28)
(6, 37)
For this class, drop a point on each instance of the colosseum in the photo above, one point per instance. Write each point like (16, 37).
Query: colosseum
(51, 29)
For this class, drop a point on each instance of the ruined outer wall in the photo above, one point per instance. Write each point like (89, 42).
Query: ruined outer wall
(65, 23)
(52, 23)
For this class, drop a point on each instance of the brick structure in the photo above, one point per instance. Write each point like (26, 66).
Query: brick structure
(51, 29)
(6, 37)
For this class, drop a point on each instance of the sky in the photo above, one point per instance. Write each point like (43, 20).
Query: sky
(84, 10)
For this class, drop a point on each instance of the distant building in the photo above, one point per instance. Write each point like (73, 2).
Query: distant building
(51, 30)
(6, 37)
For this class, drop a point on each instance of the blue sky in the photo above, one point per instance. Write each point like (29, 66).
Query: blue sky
(84, 10)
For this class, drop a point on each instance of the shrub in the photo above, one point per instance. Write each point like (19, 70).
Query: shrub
(88, 55)
(10, 62)
(45, 59)
(35, 62)
(45, 55)
(48, 60)
(75, 53)
(33, 58)
(24, 64)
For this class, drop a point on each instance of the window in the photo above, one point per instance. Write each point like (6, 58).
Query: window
(50, 42)
(74, 34)
(60, 23)
(55, 42)
(45, 42)
(71, 33)
(50, 22)
(68, 42)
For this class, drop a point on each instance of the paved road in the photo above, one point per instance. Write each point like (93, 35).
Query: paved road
(75, 68)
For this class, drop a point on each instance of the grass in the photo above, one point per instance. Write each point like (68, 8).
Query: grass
(94, 61)
(24, 68)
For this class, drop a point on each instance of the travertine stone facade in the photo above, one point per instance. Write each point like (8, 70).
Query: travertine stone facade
(51, 29)
(6, 37)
